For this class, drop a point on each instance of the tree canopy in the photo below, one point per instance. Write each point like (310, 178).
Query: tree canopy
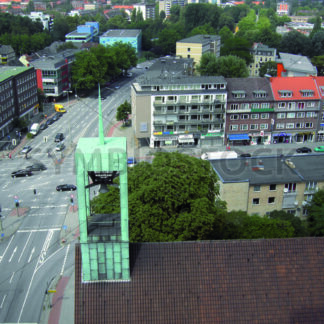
(123, 111)
(315, 218)
(172, 199)
(228, 66)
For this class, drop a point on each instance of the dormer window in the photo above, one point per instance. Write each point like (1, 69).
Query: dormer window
(307, 93)
(239, 94)
(260, 94)
(285, 93)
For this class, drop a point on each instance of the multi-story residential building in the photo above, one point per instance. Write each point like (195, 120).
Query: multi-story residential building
(7, 54)
(18, 96)
(165, 5)
(297, 106)
(147, 10)
(54, 72)
(261, 54)
(172, 107)
(320, 128)
(282, 9)
(84, 33)
(195, 46)
(249, 112)
(290, 65)
(130, 36)
(259, 186)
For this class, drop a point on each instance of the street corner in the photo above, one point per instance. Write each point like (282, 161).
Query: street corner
(20, 211)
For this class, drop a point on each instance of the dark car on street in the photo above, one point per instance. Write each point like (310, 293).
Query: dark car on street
(36, 167)
(43, 126)
(59, 137)
(245, 155)
(66, 187)
(21, 173)
(50, 121)
(303, 150)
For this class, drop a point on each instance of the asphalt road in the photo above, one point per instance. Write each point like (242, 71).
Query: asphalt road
(34, 255)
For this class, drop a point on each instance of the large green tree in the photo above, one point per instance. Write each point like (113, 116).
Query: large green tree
(315, 218)
(318, 61)
(296, 43)
(268, 68)
(170, 199)
(228, 66)
(123, 111)
(239, 47)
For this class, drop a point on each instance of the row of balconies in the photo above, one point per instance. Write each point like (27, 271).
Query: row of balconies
(185, 101)
(189, 122)
(189, 111)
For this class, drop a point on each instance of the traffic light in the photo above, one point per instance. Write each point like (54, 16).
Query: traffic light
(17, 204)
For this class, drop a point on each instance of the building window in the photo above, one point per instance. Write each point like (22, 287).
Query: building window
(234, 117)
(265, 105)
(188, 49)
(255, 105)
(301, 105)
(290, 125)
(300, 115)
(290, 187)
(263, 126)
(271, 200)
(291, 211)
(254, 126)
(257, 188)
(272, 187)
(299, 125)
(234, 127)
(281, 105)
(234, 107)
(264, 116)
(244, 127)
(291, 115)
(291, 105)
(285, 93)
(254, 116)
(244, 116)
(281, 115)
(256, 201)
(308, 125)
(310, 114)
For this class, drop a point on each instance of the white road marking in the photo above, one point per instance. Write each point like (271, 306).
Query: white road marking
(49, 206)
(3, 299)
(11, 277)
(31, 254)
(39, 230)
(24, 247)
(65, 257)
(13, 253)
(1, 257)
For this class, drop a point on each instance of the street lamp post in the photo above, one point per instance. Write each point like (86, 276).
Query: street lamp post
(67, 92)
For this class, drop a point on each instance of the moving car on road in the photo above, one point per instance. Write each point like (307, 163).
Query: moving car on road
(319, 149)
(21, 173)
(245, 155)
(59, 137)
(43, 126)
(26, 149)
(304, 150)
(66, 187)
(36, 167)
(60, 147)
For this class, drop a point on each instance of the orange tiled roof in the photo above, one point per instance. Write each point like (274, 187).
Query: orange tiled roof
(295, 85)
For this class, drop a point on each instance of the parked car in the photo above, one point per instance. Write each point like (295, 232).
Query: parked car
(26, 149)
(319, 149)
(60, 147)
(117, 87)
(66, 187)
(55, 117)
(43, 126)
(245, 155)
(304, 150)
(50, 121)
(59, 137)
(36, 167)
(59, 114)
(21, 173)
(131, 161)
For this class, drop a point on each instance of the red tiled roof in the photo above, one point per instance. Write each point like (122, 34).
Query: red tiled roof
(320, 84)
(242, 281)
(122, 7)
(294, 84)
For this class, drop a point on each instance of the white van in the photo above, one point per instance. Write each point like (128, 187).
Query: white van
(219, 155)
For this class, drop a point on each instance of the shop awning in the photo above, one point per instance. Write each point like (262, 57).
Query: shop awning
(238, 137)
(186, 140)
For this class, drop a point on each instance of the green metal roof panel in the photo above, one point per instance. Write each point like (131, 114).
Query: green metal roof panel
(9, 71)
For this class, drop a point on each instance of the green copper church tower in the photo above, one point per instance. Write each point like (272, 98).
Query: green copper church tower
(104, 238)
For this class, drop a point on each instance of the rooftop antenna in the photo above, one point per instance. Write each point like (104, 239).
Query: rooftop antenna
(101, 131)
